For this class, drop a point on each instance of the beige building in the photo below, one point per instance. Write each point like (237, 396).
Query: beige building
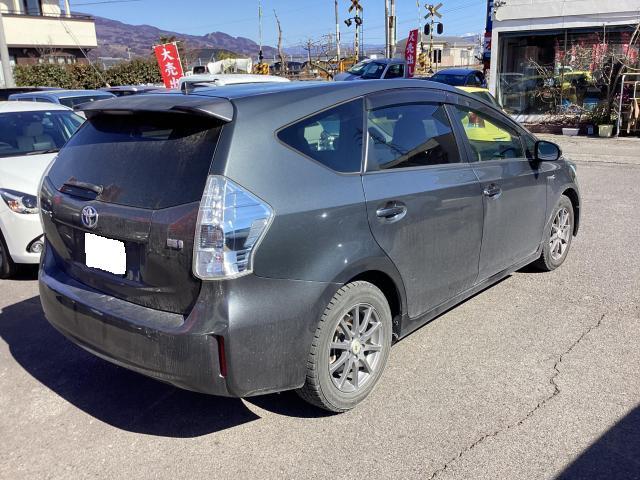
(39, 31)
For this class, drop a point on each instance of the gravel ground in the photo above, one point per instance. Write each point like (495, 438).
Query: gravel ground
(536, 377)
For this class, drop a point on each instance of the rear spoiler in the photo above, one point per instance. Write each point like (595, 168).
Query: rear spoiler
(212, 107)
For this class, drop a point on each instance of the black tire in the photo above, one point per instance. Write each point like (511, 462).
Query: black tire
(7, 267)
(549, 259)
(320, 388)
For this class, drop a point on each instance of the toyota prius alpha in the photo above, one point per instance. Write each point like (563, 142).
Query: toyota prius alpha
(258, 238)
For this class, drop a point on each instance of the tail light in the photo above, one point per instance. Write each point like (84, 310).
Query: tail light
(231, 223)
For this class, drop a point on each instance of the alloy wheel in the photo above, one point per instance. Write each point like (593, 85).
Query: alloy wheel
(355, 350)
(560, 234)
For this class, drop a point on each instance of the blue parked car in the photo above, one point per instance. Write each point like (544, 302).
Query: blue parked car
(68, 98)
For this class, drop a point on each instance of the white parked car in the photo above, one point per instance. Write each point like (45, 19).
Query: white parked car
(31, 133)
(221, 79)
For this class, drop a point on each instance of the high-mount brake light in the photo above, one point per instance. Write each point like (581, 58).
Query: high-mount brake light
(231, 223)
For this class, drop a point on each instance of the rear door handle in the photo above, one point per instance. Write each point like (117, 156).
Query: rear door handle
(392, 211)
(492, 190)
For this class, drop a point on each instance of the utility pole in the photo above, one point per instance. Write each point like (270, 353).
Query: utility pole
(337, 36)
(386, 28)
(4, 58)
(260, 55)
(392, 28)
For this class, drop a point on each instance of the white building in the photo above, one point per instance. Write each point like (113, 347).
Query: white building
(40, 31)
(538, 44)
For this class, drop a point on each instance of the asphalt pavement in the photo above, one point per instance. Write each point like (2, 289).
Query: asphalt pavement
(536, 377)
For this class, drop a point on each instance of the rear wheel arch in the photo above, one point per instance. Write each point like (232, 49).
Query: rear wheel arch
(391, 291)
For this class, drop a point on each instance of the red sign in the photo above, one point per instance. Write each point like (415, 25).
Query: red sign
(410, 52)
(169, 62)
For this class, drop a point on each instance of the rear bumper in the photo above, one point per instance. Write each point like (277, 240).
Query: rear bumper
(266, 340)
(141, 339)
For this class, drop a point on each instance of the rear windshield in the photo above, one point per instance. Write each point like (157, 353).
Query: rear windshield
(73, 101)
(146, 161)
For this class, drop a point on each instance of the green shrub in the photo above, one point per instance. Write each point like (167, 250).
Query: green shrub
(82, 75)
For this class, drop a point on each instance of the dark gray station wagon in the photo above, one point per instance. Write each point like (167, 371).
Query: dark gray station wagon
(258, 238)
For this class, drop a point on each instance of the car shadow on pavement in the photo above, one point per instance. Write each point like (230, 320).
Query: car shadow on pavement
(616, 454)
(26, 273)
(117, 396)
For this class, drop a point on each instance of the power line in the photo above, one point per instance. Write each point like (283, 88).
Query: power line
(105, 2)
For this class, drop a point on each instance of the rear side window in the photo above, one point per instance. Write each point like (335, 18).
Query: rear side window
(332, 137)
(404, 136)
(146, 161)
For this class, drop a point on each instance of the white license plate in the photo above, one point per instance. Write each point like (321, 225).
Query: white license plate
(104, 253)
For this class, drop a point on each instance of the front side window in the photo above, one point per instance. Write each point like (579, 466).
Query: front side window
(415, 135)
(30, 133)
(332, 137)
(395, 71)
(490, 139)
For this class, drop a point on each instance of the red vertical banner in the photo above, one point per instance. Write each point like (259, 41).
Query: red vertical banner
(169, 63)
(410, 51)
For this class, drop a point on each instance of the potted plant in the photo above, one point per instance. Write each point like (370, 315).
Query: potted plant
(604, 118)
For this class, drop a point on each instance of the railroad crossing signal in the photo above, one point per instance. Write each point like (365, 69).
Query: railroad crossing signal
(355, 5)
(433, 10)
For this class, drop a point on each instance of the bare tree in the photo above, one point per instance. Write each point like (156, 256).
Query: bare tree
(283, 63)
(319, 54)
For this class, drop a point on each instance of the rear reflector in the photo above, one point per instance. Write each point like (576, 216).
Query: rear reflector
(222, 358)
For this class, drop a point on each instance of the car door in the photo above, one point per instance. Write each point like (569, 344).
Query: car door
(514, 186)
(424, 201)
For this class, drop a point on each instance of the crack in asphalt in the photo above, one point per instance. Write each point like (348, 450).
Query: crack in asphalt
(530, 413)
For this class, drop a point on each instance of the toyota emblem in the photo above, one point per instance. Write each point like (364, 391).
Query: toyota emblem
(89, 217)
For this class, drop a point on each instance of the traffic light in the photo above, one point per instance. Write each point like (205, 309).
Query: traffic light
(348, 22)
(358, 20)
(439, 28)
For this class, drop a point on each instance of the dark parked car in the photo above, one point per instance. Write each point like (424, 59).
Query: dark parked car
(460, 77)
(6, 92)
(242, 240)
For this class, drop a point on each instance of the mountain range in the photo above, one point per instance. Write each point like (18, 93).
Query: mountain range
(118, 39)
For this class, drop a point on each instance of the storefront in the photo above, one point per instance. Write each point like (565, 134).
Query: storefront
(567, 60)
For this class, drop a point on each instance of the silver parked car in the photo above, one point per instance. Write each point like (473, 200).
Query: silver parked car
(258, 238)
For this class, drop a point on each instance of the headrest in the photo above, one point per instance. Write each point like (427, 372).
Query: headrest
(33, 129)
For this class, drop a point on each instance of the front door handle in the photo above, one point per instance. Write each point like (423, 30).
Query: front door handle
(392, 211)
(492, 191)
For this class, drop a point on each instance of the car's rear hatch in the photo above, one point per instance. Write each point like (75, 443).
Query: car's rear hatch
(135, 173)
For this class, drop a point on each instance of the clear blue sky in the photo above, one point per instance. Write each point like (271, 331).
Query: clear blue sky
(300, 19)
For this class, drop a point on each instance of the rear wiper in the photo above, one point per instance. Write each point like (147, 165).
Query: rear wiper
(97, 189)
(42, 152)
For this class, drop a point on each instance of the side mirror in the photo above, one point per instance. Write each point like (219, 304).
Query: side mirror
(547, 151)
